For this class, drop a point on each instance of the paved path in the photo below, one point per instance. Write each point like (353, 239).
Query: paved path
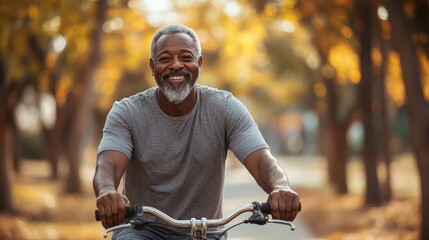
(240, 189)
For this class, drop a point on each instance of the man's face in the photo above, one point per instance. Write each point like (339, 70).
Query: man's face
(175, 66)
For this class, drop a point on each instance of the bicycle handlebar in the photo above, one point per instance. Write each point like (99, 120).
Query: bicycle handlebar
(203, 223)
(130, 211)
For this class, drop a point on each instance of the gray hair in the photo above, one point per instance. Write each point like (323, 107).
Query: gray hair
(175, 28)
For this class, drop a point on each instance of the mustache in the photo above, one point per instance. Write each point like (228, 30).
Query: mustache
(185, 73)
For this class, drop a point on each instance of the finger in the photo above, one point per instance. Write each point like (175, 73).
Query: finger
(102, 214)
(295, 209)
(275, 213)
(121, 209)
(298, 205)
(290, 215)
(109, 218)
(293, 215)
(283, 208)
(127, 202)
(289, 211)
(284, 214)
(115, 213)
(121, 213)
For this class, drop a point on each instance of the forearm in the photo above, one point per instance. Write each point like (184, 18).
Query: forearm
(271, 175)
(104, 180)
(272, 179)
(110, 167)
(266, 171)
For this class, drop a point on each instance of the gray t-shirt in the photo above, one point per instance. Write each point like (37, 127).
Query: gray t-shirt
(177, 164)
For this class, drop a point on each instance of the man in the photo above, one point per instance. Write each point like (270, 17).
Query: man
(169, 144)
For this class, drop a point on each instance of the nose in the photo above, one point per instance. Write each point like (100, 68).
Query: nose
(176, 64)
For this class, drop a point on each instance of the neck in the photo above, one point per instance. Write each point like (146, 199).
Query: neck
(179, 109)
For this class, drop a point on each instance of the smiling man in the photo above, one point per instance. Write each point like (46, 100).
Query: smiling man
(169, 145)
(176, 66)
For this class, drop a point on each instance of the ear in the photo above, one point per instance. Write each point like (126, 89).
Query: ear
(200, 61)
(152, 66)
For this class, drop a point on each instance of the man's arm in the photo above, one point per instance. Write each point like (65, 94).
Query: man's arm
(272, 179)
(110, 167)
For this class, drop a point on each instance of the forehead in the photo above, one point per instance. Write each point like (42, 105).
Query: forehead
(175, 42)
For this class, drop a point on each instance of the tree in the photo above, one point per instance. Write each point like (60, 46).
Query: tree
(337, 24)
(372, 194)
(417, 105)
(82, 100)
(15, 54)
(6, 146)
(325, 21)
(381, 101)
(57, 53)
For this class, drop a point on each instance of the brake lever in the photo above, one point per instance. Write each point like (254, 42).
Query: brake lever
(290, 224)
(126, 225)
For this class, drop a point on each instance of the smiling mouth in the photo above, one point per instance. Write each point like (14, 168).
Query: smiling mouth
(176, 79)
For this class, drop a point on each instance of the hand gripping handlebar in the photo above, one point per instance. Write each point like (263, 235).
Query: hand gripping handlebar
(259, 216)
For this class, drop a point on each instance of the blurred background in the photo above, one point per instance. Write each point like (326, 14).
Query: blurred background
(340, 90)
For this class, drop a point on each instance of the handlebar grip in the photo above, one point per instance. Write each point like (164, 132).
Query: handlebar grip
(129, 212)
(266, 208)
(97, 215)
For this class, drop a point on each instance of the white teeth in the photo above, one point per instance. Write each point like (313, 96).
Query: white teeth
(176, 77)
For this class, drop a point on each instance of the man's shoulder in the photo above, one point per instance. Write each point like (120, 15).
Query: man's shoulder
(137, 98)
(211, 92)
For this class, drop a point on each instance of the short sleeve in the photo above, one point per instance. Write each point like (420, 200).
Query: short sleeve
(116, 132)
(242, 132)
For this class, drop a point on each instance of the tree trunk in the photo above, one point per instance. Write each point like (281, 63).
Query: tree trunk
(52, 148)
(372, 194)
(341, 155)
(17, 152)
(417, 106)
(82, 99)
(7, 97)
(383, 128)
(83, 104)
(336, 145)
(385, 153)
(6, 170)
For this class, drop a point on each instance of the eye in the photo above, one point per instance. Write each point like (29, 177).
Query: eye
(187, 58)
(163, 59)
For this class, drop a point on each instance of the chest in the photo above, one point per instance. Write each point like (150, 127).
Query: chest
(196, 141)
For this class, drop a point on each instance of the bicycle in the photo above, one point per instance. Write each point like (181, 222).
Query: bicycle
(198, 227)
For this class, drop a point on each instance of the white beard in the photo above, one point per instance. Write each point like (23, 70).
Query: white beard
(174, 94)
